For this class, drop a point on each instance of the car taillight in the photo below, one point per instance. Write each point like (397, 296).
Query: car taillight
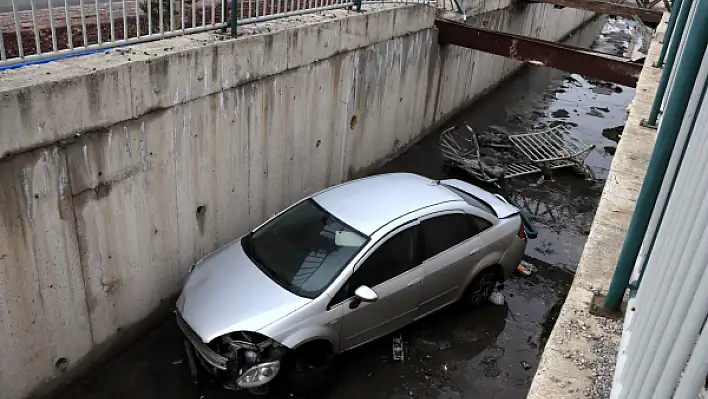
(522, 232)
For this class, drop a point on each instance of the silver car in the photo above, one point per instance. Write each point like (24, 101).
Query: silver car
(340, 268)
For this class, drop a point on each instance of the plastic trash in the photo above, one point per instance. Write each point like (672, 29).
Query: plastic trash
(497, 297)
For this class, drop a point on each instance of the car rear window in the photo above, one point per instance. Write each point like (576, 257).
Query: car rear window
(474, 201)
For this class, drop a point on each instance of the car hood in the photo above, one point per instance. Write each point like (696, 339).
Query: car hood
(226, 292)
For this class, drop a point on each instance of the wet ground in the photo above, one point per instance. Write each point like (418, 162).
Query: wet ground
(489, 353)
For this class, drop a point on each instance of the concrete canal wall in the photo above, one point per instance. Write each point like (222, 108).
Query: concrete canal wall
(119, 170)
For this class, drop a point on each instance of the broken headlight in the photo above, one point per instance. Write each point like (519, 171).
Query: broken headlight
(259, 375)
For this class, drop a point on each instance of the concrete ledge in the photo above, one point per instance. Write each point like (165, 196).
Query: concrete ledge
(103, 89)
(580, 355)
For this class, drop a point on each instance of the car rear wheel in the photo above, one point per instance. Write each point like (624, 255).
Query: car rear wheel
(479, 290)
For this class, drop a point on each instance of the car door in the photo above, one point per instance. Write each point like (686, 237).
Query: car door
(393, 271)
(452, 245)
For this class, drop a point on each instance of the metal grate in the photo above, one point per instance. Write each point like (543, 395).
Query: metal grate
(550, 145)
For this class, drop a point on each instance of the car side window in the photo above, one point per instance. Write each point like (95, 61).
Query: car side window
(477, 224)
(443, 232)
(395, 256)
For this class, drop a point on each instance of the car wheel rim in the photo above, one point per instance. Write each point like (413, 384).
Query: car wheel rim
(483, 289)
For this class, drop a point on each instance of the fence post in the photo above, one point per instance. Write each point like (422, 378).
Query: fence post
(687, 70)
(234, 14)
(671, 58)
(676, 9)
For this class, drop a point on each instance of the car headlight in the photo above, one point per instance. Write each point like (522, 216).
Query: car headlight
(258, 375)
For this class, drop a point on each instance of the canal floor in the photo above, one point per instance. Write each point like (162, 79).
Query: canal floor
(492, 352)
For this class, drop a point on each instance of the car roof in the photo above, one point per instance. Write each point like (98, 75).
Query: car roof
(370, 203)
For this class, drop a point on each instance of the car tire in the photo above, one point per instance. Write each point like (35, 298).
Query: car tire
(310, 374)
(479, 290)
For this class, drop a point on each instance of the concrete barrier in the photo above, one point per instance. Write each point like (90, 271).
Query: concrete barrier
(119, 170)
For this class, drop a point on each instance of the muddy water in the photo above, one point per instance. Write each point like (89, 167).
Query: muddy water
(489, 353)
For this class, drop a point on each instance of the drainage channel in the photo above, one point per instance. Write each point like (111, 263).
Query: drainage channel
(489, 353)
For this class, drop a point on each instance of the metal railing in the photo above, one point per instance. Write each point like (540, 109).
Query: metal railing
(34, 30)
(39, 30)
(664, 349)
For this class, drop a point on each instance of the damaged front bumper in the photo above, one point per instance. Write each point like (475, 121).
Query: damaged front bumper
(247, 365)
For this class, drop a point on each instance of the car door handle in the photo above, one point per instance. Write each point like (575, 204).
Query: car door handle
(474, 250)
(415, 281)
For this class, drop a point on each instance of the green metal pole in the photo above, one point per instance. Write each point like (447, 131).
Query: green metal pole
(676, 9)
(671, 58)
(686, 73)
(234, 14)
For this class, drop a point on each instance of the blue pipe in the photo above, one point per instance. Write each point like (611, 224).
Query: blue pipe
(671, 58)
(61, 57)
(676, 9)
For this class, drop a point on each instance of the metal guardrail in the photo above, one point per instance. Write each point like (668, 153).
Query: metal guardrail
(38, 30)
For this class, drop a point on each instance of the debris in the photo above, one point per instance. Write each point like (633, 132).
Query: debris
(497, 297)
(560, 113)
(177, 362)
(398, 348)
(595, 112)
(523, 270)
(444, 346)
(528, 266)
(526, 365)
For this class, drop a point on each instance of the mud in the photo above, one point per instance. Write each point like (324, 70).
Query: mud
(489, 353)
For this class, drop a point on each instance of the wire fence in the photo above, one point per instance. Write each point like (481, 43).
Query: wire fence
(36, 30)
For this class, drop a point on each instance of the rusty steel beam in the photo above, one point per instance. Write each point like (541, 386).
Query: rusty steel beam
(603, 7)
(541, 52)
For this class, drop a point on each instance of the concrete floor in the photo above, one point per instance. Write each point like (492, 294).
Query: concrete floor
(489, 353)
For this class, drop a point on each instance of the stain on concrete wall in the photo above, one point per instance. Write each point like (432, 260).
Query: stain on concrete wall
(98, 228)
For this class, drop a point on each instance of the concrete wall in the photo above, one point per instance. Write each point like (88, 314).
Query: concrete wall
(119, 170)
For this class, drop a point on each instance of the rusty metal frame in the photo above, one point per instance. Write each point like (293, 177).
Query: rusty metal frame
(541, 52)
(605, 7)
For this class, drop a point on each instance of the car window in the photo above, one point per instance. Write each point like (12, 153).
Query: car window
(477, 224)
(395, 256)
(443, 232)
(303, 249)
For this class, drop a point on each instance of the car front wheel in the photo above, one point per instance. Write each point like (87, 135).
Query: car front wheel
(310, 370)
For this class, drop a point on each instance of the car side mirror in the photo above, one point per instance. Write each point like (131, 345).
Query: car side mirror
(366, 294)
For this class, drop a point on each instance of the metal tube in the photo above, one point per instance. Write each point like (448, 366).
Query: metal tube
(234, 13)
(18, 36)
(98, 23)
(2, 47)
(671, 57)
(69, 32)
(35, 27)
(125, 22)
(112, 22)
(203, 12)
(676, 160)
(83, 23)
(149, 16)
(695, 375)
(51, 25)
(679, 54)
(137, 17)
(669, 31)
(194, 13)
(687, 71)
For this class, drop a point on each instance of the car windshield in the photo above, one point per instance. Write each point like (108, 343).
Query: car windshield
(304, 248)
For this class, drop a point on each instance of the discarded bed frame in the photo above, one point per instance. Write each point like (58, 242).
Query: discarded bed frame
(554, 148)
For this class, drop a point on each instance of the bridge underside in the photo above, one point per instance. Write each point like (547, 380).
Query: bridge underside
(541, 52)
